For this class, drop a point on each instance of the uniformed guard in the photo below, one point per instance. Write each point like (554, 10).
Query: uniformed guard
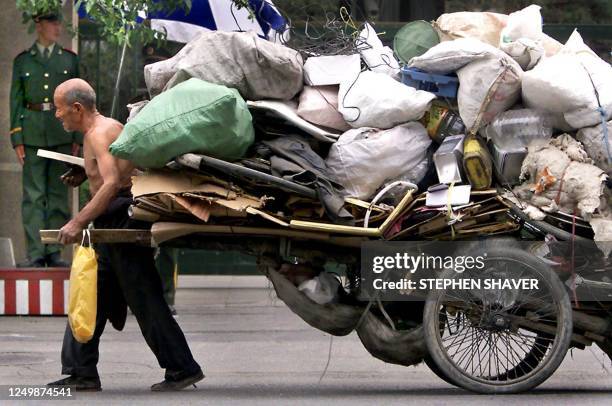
(36, 73)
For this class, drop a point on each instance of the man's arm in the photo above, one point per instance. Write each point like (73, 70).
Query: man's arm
(17, 108)
(110, 173)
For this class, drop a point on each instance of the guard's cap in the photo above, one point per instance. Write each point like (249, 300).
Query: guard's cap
(49, 16)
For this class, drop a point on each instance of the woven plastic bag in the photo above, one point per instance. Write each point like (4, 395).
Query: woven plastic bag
(195, 116)
(83, 296)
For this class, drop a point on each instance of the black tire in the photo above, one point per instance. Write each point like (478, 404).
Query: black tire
(528, 362)
(439, 373)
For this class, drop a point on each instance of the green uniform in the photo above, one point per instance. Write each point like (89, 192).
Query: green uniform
(45, 198)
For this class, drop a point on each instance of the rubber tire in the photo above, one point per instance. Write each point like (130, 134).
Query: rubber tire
(439, 373)
(559, 348)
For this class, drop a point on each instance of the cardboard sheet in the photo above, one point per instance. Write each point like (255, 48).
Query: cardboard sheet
(153, 182)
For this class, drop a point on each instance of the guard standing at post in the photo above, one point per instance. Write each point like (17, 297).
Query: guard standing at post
(36, 73)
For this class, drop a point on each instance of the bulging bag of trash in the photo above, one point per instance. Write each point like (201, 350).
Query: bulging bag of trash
(319, 105)
(376, 100)
(195, 116)
(484, 26)
(594, 141)
(525, 23)
(378, 58)
(523, 39)
(575, 82)
(489, 79)
(363, 159)
(257, 68)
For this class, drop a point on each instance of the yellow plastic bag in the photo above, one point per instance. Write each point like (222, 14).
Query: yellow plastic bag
(83, 298)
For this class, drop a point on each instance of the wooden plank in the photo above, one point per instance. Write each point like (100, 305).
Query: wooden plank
(166, 231)
(334, 229)
(141, 237)
(73, 160)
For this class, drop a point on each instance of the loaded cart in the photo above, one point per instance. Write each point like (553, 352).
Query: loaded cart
(453, 209)
(495, 339)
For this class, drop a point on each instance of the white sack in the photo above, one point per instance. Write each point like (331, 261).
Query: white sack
(483, 26)
(135, 108)
(593, 140)
(382, 60)
(362, 159)
(489, 79)
(257, 68)
(487, 87)
(551, 45)
(377, 100)
(561, 84)
(330, 70)
(526, 52)
(319, 105)
(377, 57)
(522, 38)
(450, 56)
(525, 23)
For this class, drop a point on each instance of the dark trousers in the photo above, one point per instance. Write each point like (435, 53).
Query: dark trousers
(127, 272)
(45, 198)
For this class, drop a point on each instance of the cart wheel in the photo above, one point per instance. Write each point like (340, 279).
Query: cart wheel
(433, 367)
(502, 340)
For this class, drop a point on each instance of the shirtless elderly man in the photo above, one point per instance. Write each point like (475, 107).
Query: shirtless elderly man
(126, 272)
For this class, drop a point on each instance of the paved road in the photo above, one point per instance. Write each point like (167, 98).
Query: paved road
(255, 351)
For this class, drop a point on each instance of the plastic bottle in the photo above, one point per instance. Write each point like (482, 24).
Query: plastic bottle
(517, 128)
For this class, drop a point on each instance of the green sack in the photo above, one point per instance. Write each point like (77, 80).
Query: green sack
(414, 39)
(194, 116)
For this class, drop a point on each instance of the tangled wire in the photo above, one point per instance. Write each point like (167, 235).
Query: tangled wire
(334, 34)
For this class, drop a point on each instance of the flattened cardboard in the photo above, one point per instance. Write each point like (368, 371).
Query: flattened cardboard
(154, 182)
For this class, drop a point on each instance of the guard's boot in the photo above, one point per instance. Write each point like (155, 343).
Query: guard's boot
(80, 383)
(168, 385)
(54, 260)
(32, 263)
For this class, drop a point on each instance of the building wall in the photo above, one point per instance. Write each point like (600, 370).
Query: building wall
(14, 38)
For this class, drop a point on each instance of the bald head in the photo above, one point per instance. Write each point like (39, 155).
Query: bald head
(77, 91)
(75, 104)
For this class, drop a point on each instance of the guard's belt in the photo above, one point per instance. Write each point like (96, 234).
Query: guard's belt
(40, 106)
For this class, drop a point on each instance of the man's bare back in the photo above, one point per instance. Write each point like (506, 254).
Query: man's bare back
(75, 108)
(98, 138)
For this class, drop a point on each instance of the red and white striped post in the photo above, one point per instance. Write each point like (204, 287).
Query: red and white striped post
(34, 292)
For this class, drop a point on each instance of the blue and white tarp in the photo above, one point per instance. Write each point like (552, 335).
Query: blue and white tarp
(222, 15)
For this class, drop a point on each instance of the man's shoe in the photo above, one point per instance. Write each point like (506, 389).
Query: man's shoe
(82, 384)
(55, 261)
(172, 310)
(32, 263)
(176, 385)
